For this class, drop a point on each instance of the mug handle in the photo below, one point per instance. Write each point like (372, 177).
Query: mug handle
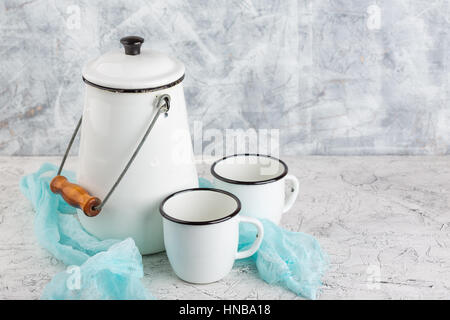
(293, 196)
(259, 237)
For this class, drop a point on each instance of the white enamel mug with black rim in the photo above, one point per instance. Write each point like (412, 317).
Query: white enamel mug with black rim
(201, 233)
(259, 181)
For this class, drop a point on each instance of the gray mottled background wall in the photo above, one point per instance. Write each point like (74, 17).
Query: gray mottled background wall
(336, 77)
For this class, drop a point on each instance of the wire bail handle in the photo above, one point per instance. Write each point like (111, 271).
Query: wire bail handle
(76, 195)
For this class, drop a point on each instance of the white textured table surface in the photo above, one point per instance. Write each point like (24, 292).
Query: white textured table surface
(384, 221)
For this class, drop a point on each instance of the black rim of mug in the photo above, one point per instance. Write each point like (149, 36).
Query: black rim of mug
(280, 176)
(169, 217)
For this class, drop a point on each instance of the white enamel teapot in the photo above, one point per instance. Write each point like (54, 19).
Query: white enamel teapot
(135, 147)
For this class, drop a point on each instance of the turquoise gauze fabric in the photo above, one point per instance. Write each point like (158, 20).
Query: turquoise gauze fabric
(293, 260)
(112, 269)
(108, 269)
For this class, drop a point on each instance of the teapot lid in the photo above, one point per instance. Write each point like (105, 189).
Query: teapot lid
(134, 70)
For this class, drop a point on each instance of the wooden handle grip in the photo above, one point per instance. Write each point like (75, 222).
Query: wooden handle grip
(75, 195)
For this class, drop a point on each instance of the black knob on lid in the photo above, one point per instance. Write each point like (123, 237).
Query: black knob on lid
(132, 45)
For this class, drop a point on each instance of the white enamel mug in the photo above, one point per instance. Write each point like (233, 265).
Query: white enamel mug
(201, 233)
(259, 183)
